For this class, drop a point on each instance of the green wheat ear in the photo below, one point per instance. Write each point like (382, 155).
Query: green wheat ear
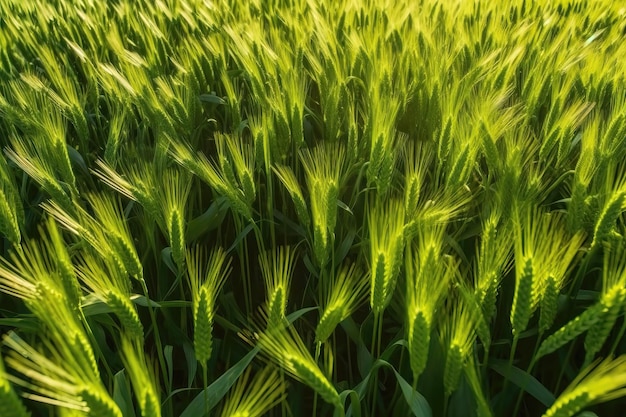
(347, 292)
(283, 346)
(324, 167)
(599, 382)
(574, 328)
(255, 398)
(428, 274)
(458, 333)
(58, 377)
(386, 226)
(286, 175)
(11, 208)
(206, 276)
(142, 376)
(277, 267)
(612, 299)
(174, 194)
(521, 309)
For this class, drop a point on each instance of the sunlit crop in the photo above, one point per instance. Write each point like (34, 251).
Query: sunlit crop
(312, 208)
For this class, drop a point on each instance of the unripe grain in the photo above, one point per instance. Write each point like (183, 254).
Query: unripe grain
(328, 322)
(571, 330)
(613, 303)
(126, 313)
(453, 368)
(313, 377)
(522, 299)
(99, 404)
(203, 328)
(176, 229)
(419, 342)
(549, 303)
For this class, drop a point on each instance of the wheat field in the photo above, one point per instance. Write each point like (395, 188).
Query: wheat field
(312, 208)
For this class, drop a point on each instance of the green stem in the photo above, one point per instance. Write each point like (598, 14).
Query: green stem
(376, 341)
(528, 371)
(562, 372)
(205, 384)
(510, 367)
(619, 337)
(318, 347)
(157, 341)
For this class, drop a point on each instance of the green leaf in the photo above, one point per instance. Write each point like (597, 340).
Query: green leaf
(77, 159)
(92, 306)
(355, 402)
(143, 301)
(212, 98)
(121, 394)
(416, 401)
(169, 360)
(207, 221)
(523, 380)
(166, 256)
(192, 363)
(241, 236)
(209, 397)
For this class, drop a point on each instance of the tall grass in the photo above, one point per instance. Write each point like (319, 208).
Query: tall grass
(198, 198)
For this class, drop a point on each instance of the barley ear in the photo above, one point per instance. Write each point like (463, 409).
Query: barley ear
(311, 375)
(99, 403)
(608, 216)
(126, 313)
(65, 266)
(548, 305)
(452, 369)
(347, 291)
(284, 346)
(203, 327)
(255, 398)
(598, 382)
(613, 303)
(419, 343)
(329, 320)
(289, 180)
(571, 330)
(377, 294)
(522, 299)
(277, 267)
(142, 377)
(276, 304)
(176, 231)
(9, 226)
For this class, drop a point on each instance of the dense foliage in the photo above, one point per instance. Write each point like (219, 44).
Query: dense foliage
(312, 207)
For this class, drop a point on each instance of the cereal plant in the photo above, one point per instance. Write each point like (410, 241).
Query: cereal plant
(312, 208)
